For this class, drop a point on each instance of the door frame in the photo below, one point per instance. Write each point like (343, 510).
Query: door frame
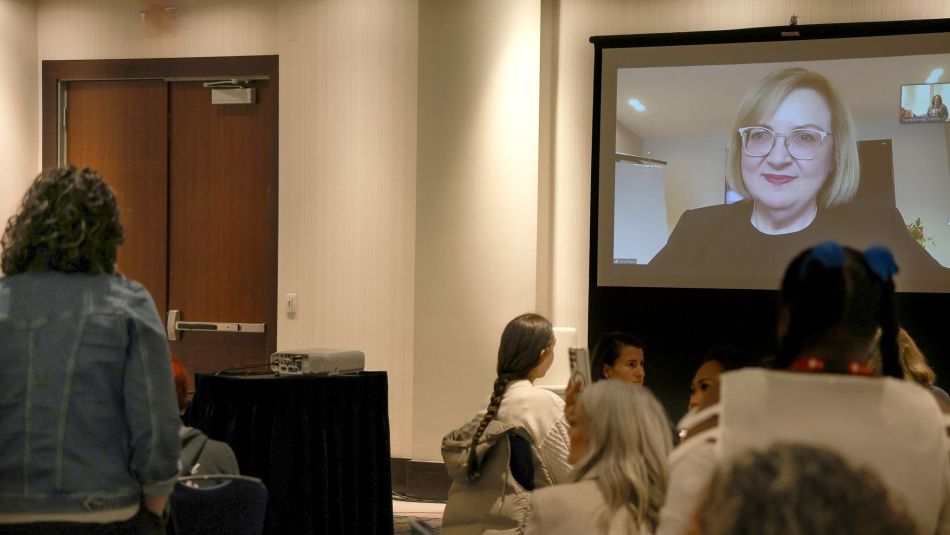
(55, 72)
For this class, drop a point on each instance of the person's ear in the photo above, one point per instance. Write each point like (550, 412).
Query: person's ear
(606, 371)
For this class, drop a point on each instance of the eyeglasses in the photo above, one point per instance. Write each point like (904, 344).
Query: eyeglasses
(801, 143)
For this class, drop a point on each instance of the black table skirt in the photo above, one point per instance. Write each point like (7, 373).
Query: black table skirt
(320, 445)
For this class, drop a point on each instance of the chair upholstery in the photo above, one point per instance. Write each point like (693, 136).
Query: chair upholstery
(235, 505)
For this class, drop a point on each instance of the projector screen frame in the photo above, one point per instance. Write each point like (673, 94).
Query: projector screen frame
(677, 325)
(788, 44)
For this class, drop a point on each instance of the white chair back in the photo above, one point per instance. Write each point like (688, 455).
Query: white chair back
(891, 426)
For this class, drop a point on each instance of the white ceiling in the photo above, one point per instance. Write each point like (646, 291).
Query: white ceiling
(702, 100)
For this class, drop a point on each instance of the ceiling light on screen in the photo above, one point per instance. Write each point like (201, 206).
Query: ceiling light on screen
(637, 105)
(935, 75)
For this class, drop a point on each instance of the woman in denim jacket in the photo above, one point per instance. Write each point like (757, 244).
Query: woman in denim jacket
(88, 419)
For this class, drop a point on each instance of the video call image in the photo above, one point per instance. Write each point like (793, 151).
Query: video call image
(722, 173)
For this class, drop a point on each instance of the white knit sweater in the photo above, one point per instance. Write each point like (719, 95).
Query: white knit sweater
(541, 413)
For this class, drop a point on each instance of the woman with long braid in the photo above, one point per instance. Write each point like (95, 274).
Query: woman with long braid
(519, 442)
(833, 301)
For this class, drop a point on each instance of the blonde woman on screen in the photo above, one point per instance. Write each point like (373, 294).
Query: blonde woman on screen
(793, 157)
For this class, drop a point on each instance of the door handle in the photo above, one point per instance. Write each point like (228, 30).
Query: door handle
(174, 326)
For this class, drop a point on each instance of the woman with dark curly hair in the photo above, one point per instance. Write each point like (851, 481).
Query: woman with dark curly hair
(89, 433)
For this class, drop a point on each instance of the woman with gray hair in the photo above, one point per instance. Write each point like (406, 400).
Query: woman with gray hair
(620, 438)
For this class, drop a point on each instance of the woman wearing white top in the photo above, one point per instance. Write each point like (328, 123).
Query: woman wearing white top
(620, 438)
(486, 494)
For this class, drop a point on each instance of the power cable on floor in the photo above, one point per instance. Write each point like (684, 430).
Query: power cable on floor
(404, 498)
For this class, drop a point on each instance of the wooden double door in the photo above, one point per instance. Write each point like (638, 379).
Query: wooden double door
(196, 184)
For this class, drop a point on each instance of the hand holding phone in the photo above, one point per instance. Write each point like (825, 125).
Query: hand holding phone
(580, 377)
(580, 367)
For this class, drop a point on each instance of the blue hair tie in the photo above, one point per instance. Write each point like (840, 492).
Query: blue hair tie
(881, 262)
(829, 254)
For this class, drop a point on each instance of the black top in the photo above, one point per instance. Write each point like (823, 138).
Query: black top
(720, 243)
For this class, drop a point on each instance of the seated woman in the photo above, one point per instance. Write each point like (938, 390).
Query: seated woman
(914, 366)
(798, 489)
(716, 362)
(199, 454)
(89, 431)
(619, 355)
(485, 494)
(833, 301)
(620, 438)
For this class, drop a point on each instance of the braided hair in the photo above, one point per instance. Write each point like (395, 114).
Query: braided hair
(519, 352)
(838, 297)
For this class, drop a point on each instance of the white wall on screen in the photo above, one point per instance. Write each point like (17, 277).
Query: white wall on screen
(695, 174)
(640, 228)
(628, 142)
(921, 180)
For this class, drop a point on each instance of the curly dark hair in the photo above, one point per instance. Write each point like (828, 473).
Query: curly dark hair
(68, 222)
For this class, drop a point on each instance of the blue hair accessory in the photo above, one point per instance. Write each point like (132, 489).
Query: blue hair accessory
(829, 254)
(881, 262)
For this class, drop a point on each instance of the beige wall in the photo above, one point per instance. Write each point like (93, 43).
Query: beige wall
(348, 185)
(19, 103)
(477, 197)
(98, 29)
(347, 153)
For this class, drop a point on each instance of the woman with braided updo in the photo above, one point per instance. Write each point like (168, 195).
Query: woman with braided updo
(517, 443)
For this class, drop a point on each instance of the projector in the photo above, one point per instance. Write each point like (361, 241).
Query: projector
(317, 361)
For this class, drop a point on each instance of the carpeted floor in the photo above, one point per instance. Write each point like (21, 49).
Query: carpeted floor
(401, 524)
(427, 512)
